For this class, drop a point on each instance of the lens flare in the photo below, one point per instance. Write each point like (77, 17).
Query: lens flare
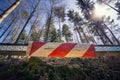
(100, 10)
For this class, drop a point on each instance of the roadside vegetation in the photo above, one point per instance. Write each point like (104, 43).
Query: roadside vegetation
(60, 69)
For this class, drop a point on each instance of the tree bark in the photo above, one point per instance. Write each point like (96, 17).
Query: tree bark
(112, 7)
(15, 33)
(8, 27)
(31, 15)
(84, 35)
(6, 21)
(77, 38)
(8, 35)
(66, 38)
(112, 34)
(101, 29)
(79, 34)
(41, 31)
(106, 36)
(9, 10)
(48, 26)
(100, 36)
(90, 35)
(32, 28)
(60, 30)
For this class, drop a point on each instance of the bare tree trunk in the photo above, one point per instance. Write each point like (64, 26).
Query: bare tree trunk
(9, 10)
(8, 34)
(85, 36)
(79, 34)
(112, 34)
(112, 7)
(38, 35)
(48, 26)
(41, 32)
(77, 38)
(31, 15)
(6, 21)
(29, 34)
(93, 40)
(101, 29)
(106, 36)
(12, 29)
(60, 30)
(8, 27)
(90, 35)
(100, 36)
(15, 33)
(49, 20)
(66, 38)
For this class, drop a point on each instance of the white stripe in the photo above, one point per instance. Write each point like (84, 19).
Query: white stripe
(78, 51)
(45, 50)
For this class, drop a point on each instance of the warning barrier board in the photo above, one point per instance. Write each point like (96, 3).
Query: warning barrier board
(22, 49)
(43, 49)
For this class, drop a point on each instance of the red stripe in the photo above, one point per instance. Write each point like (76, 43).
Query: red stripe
(90, 53)
(35, 46)
(62, 50)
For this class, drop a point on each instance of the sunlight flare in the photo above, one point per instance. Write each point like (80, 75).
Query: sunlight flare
(100, 10)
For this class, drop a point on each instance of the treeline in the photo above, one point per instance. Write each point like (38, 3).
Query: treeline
(51, 21)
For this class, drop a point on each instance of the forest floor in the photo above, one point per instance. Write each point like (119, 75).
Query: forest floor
(100, 68)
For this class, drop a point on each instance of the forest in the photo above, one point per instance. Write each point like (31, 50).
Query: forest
(80, 21)
(64, 21)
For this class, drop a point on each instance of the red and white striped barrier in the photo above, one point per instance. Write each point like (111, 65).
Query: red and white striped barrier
(43, 49)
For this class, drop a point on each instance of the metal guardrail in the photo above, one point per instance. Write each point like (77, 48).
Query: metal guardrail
(105, 48)
(13, 47)
(20, 49)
